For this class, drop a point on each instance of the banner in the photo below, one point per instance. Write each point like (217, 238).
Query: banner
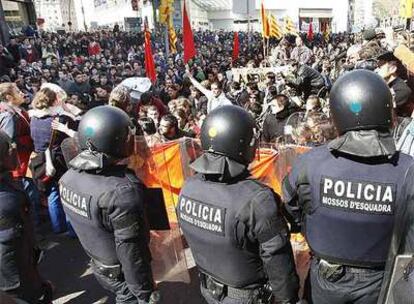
(244, 75)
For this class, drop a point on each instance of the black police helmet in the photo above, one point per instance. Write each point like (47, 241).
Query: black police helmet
(361, 100)
(106, 129)
(230, 131)
(8, 155)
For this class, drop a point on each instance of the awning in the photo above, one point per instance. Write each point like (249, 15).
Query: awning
(315, 13)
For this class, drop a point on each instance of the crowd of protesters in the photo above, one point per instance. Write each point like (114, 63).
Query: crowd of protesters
(58, 77)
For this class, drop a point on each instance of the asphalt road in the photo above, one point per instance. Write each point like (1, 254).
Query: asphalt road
(67, 266)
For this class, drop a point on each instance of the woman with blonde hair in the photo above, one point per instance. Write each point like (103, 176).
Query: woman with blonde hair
(48, 165)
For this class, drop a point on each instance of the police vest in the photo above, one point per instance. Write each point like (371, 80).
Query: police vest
(85, 198)
(207, 212)
(349, 215)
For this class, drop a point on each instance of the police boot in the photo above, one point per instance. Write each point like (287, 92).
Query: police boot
(47, 295)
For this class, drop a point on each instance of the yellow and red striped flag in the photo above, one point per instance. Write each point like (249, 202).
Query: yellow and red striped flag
(290, 26)
(265, 22)
(275, 30)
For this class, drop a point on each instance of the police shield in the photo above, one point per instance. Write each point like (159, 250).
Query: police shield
(163, 169)
(401, 287)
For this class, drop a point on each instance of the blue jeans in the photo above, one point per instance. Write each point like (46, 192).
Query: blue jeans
(56, 212)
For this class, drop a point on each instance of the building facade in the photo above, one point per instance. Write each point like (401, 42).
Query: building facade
(57, 14)
(15, 15)
(107, 13)
(362, 15)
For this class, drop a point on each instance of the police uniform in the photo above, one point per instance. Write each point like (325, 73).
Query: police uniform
(346, 209)
(19, 276)
(345, 195)
(106, 211)
(233, 224)
(104, 203)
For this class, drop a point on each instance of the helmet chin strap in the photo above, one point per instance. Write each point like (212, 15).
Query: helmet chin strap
(90, 146)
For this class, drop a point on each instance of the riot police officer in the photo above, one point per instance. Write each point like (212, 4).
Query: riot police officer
(104, 202)
(344, 195)
(232, 222)
(19, 276)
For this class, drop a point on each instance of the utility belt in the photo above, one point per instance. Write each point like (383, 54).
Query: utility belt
(113, 272)
(333, 272)
(259, 295)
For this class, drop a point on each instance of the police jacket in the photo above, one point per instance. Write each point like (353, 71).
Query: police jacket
(18, 273)
(345, 195)
(236, 232)
(104, 204)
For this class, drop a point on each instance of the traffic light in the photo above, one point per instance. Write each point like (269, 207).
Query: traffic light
(134, 4)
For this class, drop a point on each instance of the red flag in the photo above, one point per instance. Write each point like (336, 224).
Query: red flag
(149, 60)
(188, 39)
(236, 46)
(310, 32)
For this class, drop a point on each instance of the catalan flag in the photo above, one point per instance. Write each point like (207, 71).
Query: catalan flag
(326, 32)
(166, 8)
(265, 22)
(172, 36)
(290, 26)
(275, 30)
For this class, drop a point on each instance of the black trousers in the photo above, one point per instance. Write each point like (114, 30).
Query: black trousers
(353, 286)
(117, 286)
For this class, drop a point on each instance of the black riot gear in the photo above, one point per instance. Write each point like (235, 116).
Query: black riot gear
(19, 276)
(107, 130)
(220, 136)
(361, 100)
(223, 207)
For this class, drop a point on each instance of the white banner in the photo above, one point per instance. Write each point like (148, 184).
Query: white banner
(245, 75)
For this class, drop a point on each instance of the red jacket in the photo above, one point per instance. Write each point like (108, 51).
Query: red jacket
(17, 125)
(94, 48)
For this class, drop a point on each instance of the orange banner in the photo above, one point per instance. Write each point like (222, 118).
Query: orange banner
(166, 167)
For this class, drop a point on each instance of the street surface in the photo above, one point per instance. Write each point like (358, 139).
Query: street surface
(67, 266)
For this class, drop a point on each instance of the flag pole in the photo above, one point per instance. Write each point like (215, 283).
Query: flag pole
(268, 39)
(167, 41)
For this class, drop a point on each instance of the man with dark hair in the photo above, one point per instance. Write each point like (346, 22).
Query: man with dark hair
(275, 120)
(304, 79)
(401, 92)
(148, 99)
(168, 129)
(235, 93)
(216, 97)
(80, 86)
